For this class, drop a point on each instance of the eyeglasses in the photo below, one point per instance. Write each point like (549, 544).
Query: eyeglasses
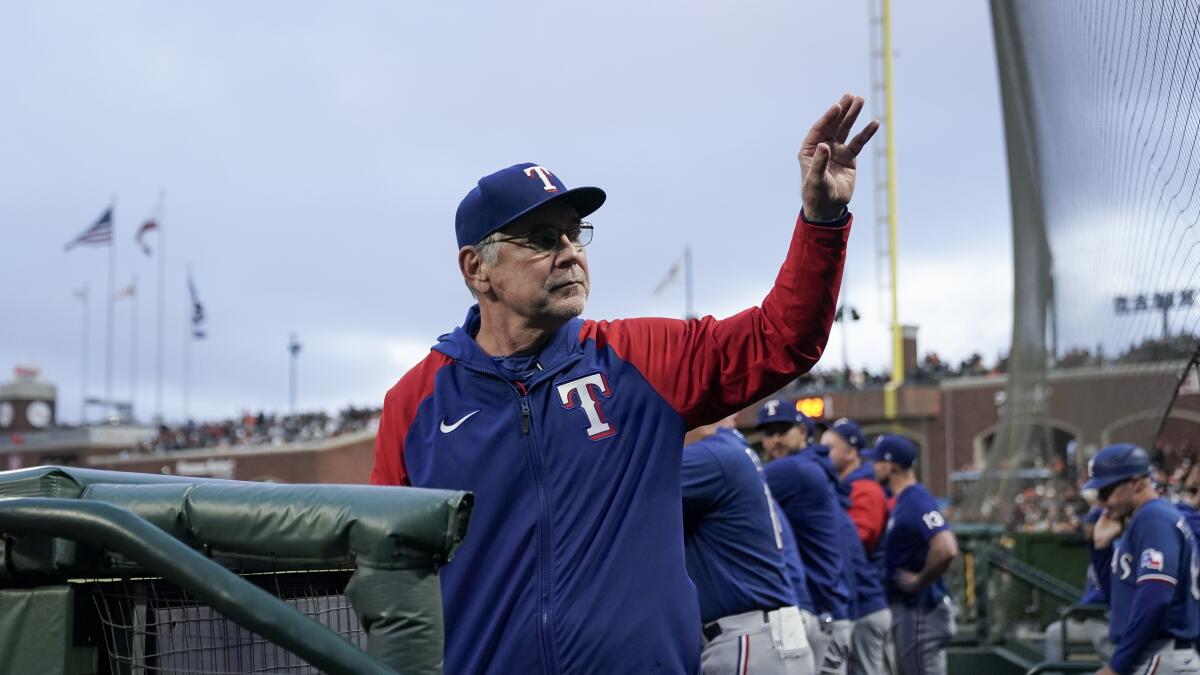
(548, 238)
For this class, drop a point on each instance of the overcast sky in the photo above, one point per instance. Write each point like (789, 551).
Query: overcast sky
(313, 155)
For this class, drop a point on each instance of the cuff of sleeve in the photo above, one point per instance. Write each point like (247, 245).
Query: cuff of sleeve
(836, 222)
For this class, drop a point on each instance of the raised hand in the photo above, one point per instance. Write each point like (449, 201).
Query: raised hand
(827, 160)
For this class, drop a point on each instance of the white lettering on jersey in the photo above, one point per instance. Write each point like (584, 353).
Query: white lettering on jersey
(933, 520)
(579, 394)
(1122, 565)
(543, 173)
(770, 502)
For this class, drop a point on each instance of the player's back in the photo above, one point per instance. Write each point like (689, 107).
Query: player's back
(732, 539)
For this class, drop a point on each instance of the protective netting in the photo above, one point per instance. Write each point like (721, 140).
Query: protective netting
(1101, 106)
(151, 626)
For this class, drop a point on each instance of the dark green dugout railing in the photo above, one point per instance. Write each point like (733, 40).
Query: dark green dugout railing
(393, 539)
(116, 529)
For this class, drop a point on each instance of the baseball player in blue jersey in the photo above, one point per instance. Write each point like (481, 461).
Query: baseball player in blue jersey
(733, 547)
(810, 503)
(867, 510)
(918, 548)
(1144, 554)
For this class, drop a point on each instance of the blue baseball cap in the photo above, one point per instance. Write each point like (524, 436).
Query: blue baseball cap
(778, 410)
(895, 449)
(1116, 463)
(508, 194)
(849, 430)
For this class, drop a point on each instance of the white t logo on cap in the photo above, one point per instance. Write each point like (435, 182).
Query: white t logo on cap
(543, 173)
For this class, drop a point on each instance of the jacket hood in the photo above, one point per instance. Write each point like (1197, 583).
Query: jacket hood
(460, 344)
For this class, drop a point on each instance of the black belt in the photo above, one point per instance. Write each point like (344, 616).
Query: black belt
(1181, 643)
(712, 629)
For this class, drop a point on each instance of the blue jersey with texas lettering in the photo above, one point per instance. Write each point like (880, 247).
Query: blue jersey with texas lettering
(811, 506)
(1157, 547)
(915, 520)
(732, 540)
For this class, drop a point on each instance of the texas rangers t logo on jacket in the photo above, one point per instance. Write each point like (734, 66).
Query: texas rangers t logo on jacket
(578, 393)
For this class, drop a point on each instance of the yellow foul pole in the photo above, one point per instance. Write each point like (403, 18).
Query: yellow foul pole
(889, 393)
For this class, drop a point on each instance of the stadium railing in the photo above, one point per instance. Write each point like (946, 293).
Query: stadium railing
(113, 572)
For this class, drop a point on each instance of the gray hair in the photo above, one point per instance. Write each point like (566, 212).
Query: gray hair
(489, 251)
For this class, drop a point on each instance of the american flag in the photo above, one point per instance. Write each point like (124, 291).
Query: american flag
(99, 234)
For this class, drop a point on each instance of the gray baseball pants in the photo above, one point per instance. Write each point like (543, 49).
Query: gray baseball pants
(869, 644)
(1162, 657)
(830, 643)
(758, 642)
(1092, 631)
(921, 636)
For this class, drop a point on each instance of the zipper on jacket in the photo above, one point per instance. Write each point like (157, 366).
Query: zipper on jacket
(523, 397)
(549, 659)
(543, 527)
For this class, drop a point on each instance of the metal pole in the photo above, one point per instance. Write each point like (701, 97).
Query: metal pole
(889, 398)
(687, 277)
(133, 350)
(187, 361)
(158, 356)
(1166, 324)
(83, 376)
(108, 349)
(294, 354)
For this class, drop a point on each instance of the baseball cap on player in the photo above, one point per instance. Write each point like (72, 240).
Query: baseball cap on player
(850, 431)
(784, 410)
(1116, 463)
(502, 197)
(895, 449)
(777, 410)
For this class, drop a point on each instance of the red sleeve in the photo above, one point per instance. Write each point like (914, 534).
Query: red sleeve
(869, 511)
(399, 409)
(708, 369)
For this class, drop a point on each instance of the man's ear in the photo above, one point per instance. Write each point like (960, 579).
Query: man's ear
(474, 270)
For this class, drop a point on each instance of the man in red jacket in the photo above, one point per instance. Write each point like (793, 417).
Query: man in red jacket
(569, 432)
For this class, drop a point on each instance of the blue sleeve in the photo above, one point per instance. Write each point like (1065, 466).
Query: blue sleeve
(703, 480)
(1146, 614)
(795, 485)
(1156, 546)
(1100, 568)
(931, 520)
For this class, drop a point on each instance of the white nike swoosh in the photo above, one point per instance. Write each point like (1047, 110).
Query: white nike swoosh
(447, 429)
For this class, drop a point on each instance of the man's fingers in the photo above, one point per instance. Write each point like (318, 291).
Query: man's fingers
(848, 118)
(820, 161)
(822, 129)
(856, 144)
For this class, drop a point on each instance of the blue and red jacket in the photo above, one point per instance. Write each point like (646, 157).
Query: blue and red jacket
(574, 561)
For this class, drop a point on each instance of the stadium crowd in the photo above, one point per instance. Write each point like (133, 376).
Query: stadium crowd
(262, 428)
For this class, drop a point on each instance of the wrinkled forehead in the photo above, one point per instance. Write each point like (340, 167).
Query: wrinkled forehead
(558, 214)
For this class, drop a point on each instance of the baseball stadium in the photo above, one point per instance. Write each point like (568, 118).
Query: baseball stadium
(931, 405)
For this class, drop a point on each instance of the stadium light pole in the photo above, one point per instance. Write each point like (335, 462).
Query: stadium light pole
(294, 352)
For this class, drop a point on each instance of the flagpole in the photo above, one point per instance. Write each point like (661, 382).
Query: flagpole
(158, 349)
(83, 376)
(112, 290)
(687, 278)
(187, 355)
(133, 352)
